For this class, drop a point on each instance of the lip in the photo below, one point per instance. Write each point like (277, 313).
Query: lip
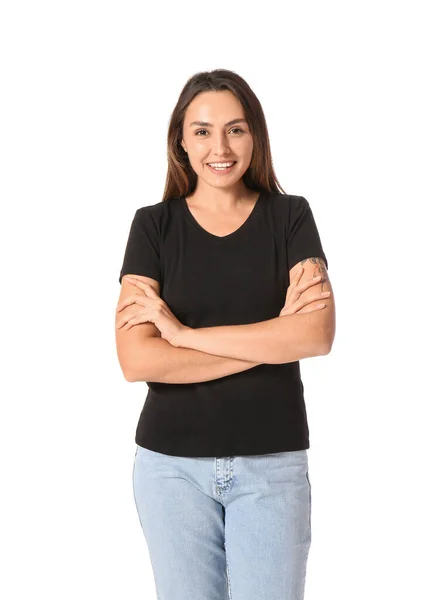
(222, 171)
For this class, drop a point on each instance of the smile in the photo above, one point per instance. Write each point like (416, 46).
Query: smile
(224, 167)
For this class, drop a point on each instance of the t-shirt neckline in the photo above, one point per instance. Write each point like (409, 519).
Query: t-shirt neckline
(231, 235)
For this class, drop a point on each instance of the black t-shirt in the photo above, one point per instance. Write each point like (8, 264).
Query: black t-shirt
(208, 281)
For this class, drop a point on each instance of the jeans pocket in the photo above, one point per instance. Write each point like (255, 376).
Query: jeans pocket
(309, 502)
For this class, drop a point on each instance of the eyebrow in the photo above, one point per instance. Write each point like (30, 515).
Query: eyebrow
(206, 124)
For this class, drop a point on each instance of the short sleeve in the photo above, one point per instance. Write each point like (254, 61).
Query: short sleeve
(303, 239)
(141, 256)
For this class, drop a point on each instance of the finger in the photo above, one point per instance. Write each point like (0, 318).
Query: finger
(135, 321)
(127, 302)
(135, 277)
(318, 296)
(148, 289)
(141, 299)
(294, 288)
(309, 283)
(137, 282)
(294, 292)
(314, 308)
(298, 276)
(299, 273)
(123, 304)
(140, 317)
(130, 280)
(121, 322)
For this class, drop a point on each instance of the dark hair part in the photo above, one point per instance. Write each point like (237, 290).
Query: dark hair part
(181, 178)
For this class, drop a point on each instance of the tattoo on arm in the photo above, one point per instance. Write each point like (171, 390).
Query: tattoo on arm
(320, 268)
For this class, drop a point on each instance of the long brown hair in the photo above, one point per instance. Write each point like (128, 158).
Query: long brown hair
(181, 178)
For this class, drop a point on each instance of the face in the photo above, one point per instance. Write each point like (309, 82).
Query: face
(214, 131)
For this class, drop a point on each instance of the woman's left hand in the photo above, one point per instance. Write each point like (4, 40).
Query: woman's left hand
(150, 308)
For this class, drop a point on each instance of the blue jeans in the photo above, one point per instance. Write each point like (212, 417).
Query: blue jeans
(236, 527)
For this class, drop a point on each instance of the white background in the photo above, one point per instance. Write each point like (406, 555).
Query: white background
(87, 91)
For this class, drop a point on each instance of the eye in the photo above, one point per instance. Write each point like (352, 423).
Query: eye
(204, 130)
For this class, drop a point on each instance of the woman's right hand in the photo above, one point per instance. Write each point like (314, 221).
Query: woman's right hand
(293, 304)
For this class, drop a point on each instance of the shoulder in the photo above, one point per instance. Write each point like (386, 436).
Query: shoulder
(285, 199)
(153, 210)
(286, 205)
(280, 199)
(155, 213)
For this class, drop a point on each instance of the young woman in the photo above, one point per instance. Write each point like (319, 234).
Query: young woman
(219, 302)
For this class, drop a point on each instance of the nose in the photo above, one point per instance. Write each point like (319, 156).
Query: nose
(220, 145)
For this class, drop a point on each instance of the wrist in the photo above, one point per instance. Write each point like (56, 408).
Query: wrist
(182, 339)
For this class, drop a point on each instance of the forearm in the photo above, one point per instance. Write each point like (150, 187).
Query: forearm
(275, 341)
(161, 362)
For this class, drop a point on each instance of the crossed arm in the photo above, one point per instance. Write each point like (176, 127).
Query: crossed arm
(214, 352)
(276, 341)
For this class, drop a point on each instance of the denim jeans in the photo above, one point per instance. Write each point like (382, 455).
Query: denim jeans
(235, 527)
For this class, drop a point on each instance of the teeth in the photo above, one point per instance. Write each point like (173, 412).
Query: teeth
(221, 165)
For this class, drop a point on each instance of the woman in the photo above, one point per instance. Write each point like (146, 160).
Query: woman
(221, 471)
